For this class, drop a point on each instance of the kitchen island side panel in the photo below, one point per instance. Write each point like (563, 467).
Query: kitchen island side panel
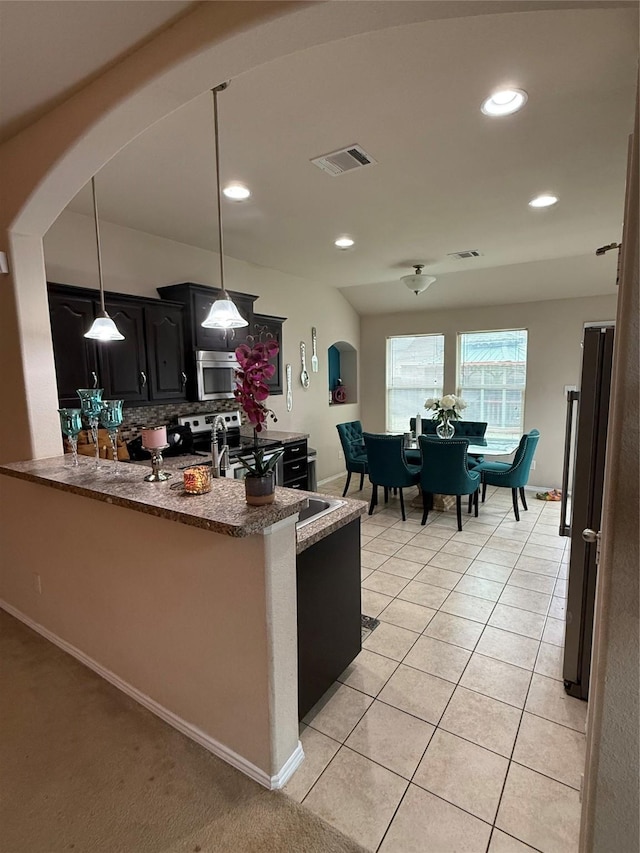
(178, 612)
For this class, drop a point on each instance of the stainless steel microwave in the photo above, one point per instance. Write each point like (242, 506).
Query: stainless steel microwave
(215, 374)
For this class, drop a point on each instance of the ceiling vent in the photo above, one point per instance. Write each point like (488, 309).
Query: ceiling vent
(464, 256)
(344, 160)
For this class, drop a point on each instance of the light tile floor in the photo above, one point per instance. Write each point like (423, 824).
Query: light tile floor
(451, 731)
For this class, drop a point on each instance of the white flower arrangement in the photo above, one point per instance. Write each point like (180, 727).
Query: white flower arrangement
(447, 408)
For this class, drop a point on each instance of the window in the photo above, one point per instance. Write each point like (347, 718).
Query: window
(492, 371)
(415, 371)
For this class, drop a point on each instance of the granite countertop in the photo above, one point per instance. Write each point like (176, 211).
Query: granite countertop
(223, 510)
(276, 435)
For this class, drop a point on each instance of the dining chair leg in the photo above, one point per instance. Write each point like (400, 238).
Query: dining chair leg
(386, 495)
(426, 506)
(404, 517)
(484, 490)
(475, 501)
(362, 481)
(346, 485)
(470, 502)
(514, 496)
(523, 499)
(374, 498)
(459, 510)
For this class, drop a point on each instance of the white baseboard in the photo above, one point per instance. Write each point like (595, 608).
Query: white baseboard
(191, 731)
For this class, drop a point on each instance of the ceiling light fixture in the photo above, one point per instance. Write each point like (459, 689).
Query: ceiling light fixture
(504, 102)
(224, 313)
(237, 192)
(344, 242)
(417, 281)
(544, 200)
(103, 328)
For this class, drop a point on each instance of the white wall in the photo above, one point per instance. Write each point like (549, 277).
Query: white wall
(135, 262)
(554, 360)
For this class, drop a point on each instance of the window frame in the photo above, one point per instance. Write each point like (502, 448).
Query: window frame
(428, 392)
(460, 391)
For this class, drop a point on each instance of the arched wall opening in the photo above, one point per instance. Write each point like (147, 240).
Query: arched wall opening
(43, 167)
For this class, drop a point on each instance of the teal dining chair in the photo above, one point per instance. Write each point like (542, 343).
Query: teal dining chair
(355, 454)
(445, 472)
(388, 467)
(514, 475)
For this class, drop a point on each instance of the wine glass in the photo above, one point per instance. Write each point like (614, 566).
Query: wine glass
(71, 424)
(111, 418)
(91, 405)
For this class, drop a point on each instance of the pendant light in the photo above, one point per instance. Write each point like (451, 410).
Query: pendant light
(417, 281)
(223, 313)
(103, 327)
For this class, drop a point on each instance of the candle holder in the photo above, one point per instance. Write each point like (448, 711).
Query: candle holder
(111, 418)
(91, 405)
(154, 439)
(71, 424)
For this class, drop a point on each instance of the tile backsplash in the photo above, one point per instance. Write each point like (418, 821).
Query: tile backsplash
(137, 417)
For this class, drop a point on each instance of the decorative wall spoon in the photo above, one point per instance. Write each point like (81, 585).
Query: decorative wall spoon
(304, 376)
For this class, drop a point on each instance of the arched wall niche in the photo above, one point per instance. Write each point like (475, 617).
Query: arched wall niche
(342, 358)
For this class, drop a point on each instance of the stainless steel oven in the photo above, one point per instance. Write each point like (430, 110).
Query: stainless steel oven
(215, 374)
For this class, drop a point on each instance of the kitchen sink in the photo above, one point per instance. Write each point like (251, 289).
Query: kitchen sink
(316, 509)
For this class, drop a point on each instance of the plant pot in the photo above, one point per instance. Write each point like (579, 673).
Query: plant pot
(259, 490)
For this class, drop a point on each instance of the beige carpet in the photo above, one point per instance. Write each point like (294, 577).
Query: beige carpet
(84, 768)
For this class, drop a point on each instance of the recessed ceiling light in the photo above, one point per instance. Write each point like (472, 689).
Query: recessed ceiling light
(504, 102)
(543, 201)
(236, 192)
(344, 242)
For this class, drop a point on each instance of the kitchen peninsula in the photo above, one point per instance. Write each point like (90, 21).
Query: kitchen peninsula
(188, 604)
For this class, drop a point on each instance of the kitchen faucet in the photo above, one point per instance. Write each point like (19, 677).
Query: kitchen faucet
(218, 463)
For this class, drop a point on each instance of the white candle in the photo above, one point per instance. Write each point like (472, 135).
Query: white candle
(153, 437)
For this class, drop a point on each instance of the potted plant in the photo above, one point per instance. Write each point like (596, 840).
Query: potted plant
(252, 392)
(445, 409)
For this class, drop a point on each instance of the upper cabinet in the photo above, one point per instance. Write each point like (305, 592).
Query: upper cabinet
(147, 366)
(76, 357)
(266, 327)
(198, 299)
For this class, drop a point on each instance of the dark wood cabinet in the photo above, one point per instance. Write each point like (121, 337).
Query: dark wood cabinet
(146, 367)
(263, 328)
(198, 299)
(165, 352)
(76, 357)
(294, 465)
(329, 612)
(125, 371)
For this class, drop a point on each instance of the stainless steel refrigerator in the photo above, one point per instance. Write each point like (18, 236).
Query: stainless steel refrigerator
(585, 448)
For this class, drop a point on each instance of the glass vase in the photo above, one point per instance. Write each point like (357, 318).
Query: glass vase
(91, 404)
(445, 429)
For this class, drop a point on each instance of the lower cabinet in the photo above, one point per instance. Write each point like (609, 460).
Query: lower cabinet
(294, 465)
(329, 610)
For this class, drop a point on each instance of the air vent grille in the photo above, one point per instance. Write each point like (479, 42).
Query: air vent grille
(344, 160)
(465, 255)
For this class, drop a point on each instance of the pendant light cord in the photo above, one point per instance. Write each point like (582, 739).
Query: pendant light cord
(218, 194)
(95, 219)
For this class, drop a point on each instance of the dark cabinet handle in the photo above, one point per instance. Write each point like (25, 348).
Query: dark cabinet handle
(143, 377)
(95, 378)
(296, 467)
(294, 449)
(184, 378)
